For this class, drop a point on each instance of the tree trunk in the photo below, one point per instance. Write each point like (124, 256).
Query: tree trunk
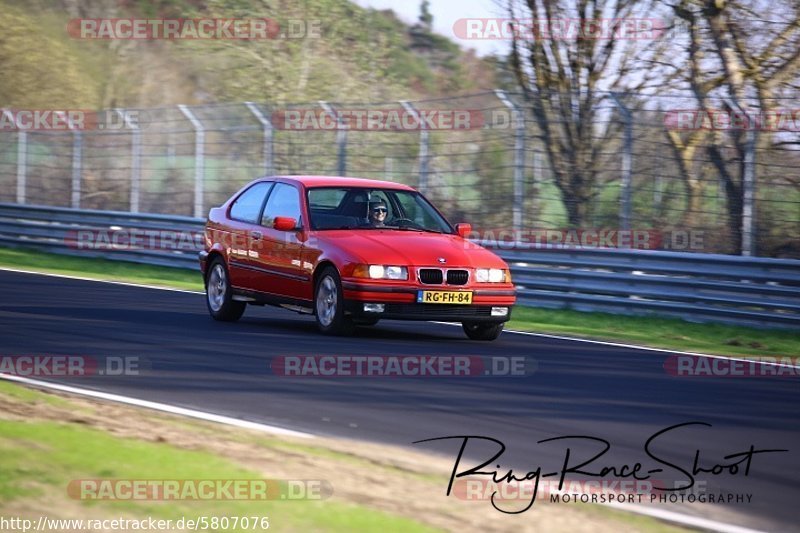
(694, 189)
(733, 192)
(735, 214)
(575, 200)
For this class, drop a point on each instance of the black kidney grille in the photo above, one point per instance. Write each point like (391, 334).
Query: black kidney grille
(430, 276)
(457, 277)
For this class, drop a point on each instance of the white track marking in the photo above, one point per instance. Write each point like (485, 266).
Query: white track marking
(682, 519)
(124, 283)
(182, 411)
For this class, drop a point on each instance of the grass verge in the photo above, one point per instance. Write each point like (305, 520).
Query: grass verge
(46, 444)
(658, 332)
(104, 269)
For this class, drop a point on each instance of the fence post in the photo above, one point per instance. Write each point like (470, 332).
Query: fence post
(627, 165)
(387, 168)
(199, 159)
(519, 159)
(22, 157)
(77, 166)
(269, 149)
(341, 137)
(536, 187)
(424, 145)
(136, 159)
(22, 165)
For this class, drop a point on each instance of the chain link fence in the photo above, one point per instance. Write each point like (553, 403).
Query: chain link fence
(480, 158)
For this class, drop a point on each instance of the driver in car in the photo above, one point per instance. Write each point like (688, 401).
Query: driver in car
(377, 214)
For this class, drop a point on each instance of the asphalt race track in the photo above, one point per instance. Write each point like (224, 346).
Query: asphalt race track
(620, 394)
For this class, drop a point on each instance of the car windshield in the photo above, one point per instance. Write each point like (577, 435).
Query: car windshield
(360, 208)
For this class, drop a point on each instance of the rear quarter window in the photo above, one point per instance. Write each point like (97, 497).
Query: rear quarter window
(325, 198)
(247, 207)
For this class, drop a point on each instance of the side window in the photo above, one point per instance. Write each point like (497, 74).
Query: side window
(283, 202)
(325, 198)
(248, 206)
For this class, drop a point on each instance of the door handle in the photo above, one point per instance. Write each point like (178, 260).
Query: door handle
(255, 234)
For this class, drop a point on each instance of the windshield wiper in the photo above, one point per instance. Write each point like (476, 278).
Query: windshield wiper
(412, 228)
(367, 226)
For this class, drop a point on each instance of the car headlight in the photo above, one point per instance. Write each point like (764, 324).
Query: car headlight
(490, 275)
(394, 272)
(381, 272)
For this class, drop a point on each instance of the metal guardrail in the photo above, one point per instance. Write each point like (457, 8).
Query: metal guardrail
(692, 286)
(165, 240)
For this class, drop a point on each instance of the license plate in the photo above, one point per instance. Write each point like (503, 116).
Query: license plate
(444, 297)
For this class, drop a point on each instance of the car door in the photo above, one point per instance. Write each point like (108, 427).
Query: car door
(278, 254)
(244, 225)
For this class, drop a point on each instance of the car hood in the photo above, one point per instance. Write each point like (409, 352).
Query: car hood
(394, 247)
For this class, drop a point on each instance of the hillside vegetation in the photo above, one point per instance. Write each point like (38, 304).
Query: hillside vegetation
(362, 55)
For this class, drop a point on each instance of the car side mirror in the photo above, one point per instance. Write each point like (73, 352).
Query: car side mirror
(284, 223)
(464, 229)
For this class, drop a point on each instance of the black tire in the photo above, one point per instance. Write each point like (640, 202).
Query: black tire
(329, 304)
(219, 294)
(483, 331)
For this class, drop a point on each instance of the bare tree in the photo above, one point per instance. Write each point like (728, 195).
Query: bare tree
(566, 70)
(741, 61)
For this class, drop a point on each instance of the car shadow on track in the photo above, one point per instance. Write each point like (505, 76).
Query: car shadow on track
(390, 330)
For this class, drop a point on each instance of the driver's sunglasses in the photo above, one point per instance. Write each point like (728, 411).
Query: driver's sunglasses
(379, 210)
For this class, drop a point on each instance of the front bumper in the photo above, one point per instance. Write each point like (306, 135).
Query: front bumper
(400, 303)
(440, 312)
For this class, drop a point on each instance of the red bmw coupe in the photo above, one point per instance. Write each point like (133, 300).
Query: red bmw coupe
(350, 251)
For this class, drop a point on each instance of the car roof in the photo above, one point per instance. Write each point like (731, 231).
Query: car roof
(340, 181)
